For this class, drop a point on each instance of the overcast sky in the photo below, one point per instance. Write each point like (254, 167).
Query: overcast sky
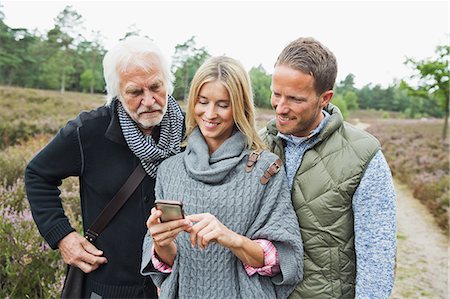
(370, 39)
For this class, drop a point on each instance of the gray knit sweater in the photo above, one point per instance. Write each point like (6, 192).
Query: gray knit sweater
(218, 184)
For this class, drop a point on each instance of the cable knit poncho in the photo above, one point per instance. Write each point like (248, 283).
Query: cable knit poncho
(218, 184)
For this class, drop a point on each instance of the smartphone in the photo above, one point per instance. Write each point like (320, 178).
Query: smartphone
(171, 209)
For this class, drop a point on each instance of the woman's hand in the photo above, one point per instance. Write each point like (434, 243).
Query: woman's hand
(164, 234)
(209, 229)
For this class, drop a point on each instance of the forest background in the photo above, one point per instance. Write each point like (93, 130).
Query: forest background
(48, 78)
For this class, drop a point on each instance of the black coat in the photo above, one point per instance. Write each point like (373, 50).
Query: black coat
(93, 148)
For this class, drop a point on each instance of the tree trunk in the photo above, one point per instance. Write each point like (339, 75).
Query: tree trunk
(186, 85)
(445, 129)
(63, 81)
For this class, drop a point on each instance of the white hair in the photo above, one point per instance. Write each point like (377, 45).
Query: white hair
(132, 51)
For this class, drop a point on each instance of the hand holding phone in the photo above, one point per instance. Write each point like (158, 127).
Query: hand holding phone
(171, 209)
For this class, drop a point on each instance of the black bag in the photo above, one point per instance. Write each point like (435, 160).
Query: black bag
(74, 283)
(75, 278)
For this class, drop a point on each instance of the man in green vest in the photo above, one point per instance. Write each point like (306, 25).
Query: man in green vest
(341, 185)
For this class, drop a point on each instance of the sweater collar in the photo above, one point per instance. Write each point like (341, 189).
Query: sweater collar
(213, 169)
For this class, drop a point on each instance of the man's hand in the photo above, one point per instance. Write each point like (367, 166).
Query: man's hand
(79, 252)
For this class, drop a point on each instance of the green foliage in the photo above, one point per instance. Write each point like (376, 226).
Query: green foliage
(348, 84)
(186, 60)
(90, 62)
(15, 53)
(85, 80)
(341, 104)
(434, 76)
(351, 99)
(55, 60)
(261, 86)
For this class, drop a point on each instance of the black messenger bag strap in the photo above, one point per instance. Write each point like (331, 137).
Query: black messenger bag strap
(75, 278)
(115, 204)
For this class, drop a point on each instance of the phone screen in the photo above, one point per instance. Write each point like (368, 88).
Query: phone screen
(171, 210)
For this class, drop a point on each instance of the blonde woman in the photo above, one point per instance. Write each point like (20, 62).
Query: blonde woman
(240, 236)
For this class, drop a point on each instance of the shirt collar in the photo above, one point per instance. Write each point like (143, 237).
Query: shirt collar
(297, 140)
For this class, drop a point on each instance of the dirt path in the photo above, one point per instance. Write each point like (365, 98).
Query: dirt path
(422, 249)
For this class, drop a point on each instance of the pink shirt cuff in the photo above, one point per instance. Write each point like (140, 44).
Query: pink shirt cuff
(159, 265)
(271, 263)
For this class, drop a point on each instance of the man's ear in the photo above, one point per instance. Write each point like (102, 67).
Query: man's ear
(326, 98)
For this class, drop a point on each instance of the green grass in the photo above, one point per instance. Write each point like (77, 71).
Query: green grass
(28, 112)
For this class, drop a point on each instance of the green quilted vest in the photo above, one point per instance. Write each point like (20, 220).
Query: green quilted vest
(322, 194)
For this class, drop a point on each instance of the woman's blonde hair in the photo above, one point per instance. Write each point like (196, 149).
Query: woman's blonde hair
(236, 80)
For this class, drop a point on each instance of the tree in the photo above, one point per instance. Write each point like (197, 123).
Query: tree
(63, 38)
(89, 66)
(340, 103)
(132, 30)
(186, 60)
(15, 56)
(351, 99)
(261, 86)
(433, 85)
(348, 84)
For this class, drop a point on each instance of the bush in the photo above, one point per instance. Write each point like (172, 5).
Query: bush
(14, 158)
(342, 105)
(418, 157)
(28, 267)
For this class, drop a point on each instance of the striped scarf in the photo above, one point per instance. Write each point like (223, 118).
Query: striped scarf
(144, 147)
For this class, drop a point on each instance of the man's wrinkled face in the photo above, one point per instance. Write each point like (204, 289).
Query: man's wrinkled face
(143, 95)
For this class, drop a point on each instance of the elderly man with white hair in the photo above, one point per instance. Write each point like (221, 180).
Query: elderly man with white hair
(140, 124)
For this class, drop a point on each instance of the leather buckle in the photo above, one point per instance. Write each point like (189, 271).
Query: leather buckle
(91, 236)
(273, 169)
(252, 158)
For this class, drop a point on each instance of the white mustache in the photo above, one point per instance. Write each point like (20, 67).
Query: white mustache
(149, 109)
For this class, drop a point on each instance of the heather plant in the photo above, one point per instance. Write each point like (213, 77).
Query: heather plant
(28, 267)
(420, 158)
(28, 112)
(13, 159)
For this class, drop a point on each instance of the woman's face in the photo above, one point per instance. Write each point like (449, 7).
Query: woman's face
(213, 114)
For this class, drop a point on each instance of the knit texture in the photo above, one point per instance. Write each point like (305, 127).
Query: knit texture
(374, 208)
(218, 184)
(151, 153)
